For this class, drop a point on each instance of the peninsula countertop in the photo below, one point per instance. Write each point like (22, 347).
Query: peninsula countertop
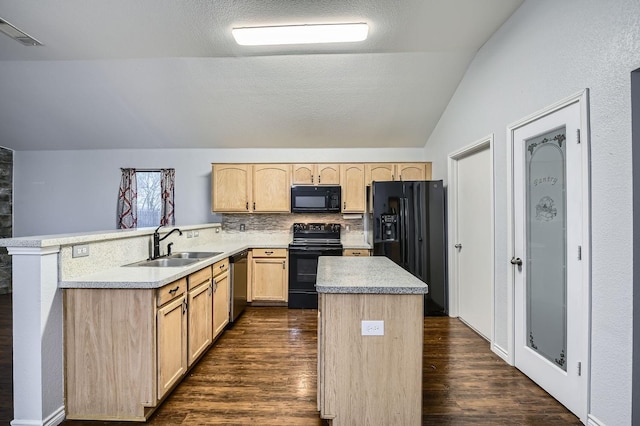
(372, 274)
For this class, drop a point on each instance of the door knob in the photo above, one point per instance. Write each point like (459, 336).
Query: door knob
(516, 261)
(458, 246)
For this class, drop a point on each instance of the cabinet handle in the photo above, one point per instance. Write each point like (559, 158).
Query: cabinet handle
(268, 253)
(214, 286)
(210, 291)
(247, 206)
(184, 307)
(174, 290)
(283, 264)
(318, 179)
(254, 205)
(311, 178)
(344, 205)
(355, 253)
(393, 177)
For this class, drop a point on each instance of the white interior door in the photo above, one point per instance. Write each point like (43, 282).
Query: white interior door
(472, 246)
(549, 209)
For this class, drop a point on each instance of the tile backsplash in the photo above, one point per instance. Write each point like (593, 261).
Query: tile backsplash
(284, 221)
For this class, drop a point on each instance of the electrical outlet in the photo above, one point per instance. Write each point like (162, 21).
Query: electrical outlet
(218, 230)
(189, 234)
(373, 328)
(80, 251)
(196, 234)
(242, 227)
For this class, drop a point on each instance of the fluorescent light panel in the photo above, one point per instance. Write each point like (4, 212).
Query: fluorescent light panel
(300, 34)
(17, 34)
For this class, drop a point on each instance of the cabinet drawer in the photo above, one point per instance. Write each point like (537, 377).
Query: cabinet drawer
(220, 267)
(269, 252)
(355, 252)
(171, 291)
(199, 277)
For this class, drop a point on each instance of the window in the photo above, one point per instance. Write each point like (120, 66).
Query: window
(146, 198)
(149, 201)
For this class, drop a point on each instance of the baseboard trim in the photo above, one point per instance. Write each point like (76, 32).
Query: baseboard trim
(53, 419)
(593, 421)
(500, 352)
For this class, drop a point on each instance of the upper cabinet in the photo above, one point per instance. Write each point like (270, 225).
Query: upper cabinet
(266, 188)
(271, 188)
(353, 188)
(246, 188)
(382, 172)
(316, 174)
(230, 187)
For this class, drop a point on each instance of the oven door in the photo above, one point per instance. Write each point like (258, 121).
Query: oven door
(303, 267)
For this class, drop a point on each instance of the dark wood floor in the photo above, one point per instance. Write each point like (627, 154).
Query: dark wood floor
(263, 372)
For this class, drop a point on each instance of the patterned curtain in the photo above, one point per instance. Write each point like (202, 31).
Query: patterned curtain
(167, 183)
(127, 200)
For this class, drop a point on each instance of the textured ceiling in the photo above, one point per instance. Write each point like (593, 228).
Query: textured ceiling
(168, 74)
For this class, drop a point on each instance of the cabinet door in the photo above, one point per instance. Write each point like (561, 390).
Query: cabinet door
(353, 189)
(303, 174)
(172, 344)
(271, 187)
(328, 174)
(411, 171)
(230, 187)
(270, 279)
(199, 323)
(379, 172)
(221, 286)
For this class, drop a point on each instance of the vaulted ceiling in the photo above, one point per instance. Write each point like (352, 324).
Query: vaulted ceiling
(168, 74)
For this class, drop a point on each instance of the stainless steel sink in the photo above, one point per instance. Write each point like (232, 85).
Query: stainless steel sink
(194, 254)
(165, 262)
(177, 259)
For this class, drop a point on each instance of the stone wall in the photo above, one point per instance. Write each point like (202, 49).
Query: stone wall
(6, 216)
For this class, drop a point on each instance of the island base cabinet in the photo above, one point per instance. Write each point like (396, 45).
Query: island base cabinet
(372, 380)
(110, 354)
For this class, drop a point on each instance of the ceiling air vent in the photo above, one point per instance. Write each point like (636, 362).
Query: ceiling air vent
(17, 34)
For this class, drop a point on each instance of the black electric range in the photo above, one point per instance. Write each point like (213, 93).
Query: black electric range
(310, 241)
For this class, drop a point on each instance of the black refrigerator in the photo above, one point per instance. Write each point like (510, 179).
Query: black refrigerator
(409, 228)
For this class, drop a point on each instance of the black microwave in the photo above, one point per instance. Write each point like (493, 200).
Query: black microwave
(315, 199)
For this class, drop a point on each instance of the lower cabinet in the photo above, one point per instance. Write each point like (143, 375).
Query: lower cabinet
(269, 277)
(171, 336)
(125, 349)
(221, 296)
(200, 311)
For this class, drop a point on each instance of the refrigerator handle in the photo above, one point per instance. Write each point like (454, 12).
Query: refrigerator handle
(405, 237)
(401, 232)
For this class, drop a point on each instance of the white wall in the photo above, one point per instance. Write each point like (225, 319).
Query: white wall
(547, 51)
(76, 191)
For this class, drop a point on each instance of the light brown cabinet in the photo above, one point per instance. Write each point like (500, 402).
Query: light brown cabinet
(125, 349)
(172, 336)
(221, 293)
(247, 188)
(383, 172)
(200, 310)
(356, 252)
(353, 188)
(316, 174)
(269, 276)
(271, 188)
(231, 188)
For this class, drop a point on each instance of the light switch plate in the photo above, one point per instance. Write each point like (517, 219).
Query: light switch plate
(373, 328)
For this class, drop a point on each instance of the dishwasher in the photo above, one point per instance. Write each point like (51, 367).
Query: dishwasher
(239, 263)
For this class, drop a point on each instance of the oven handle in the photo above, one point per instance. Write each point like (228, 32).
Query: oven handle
(313, 249)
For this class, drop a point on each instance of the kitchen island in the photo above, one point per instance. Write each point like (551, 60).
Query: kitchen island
(370, 342)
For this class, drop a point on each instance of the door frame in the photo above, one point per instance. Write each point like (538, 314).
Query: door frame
(582, 98)
(452, 202)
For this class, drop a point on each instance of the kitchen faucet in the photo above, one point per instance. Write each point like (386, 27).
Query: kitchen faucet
(157, 239)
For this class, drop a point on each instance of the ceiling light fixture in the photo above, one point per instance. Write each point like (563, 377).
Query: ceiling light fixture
(17, 34)
(300, 34)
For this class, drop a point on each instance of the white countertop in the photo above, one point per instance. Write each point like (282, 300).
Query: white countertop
(155, 277)
(373, 274)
